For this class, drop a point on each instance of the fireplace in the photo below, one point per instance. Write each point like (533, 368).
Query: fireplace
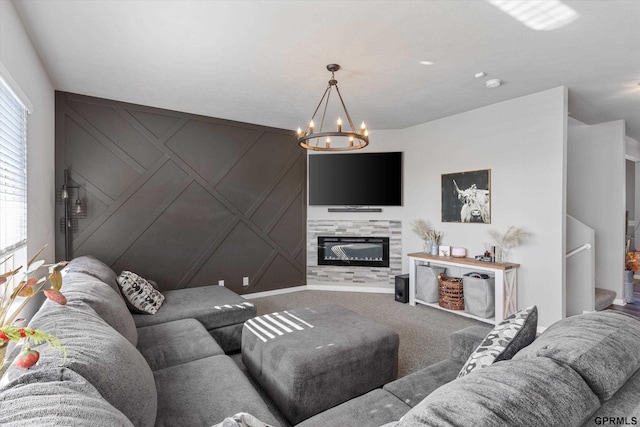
(353, 251)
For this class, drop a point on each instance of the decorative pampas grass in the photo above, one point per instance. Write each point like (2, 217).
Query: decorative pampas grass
(424, 230)
(510, 239)
(420, 227)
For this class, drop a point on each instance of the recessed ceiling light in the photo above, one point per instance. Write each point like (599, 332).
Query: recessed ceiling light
(493, 83)
(480, 74)
(426, 62)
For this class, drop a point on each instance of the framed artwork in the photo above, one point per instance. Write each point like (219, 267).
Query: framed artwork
(444, 250)
(466, 197)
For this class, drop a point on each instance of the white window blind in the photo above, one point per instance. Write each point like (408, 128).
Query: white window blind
(13, 171)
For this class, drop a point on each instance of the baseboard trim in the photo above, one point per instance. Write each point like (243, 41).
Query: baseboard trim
(348, 288)
(275, 292)
(335, 288)
(619, 301)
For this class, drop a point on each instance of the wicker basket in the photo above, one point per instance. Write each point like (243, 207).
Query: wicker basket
(450, 294)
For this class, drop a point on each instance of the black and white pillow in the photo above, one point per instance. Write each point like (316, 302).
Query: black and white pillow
(140, 295)
(505, 340)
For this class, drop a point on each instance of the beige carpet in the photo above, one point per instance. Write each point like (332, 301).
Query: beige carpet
(424, 331)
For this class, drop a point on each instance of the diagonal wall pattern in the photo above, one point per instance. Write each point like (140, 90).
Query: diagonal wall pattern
(182, 199)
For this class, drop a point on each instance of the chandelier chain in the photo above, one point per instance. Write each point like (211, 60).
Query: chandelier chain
(326, 104)
(319, 104)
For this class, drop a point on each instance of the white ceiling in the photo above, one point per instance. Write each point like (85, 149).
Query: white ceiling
(264, 62)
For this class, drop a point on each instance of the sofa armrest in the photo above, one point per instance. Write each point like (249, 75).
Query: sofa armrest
(412, 388)
(463, 342)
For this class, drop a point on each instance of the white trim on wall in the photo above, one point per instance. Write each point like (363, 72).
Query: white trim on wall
(349, 288)
(275, 292)
(15, 88)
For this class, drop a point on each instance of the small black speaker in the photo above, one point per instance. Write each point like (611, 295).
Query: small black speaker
(402, 288)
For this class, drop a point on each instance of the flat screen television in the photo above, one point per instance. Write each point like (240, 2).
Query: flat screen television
(358, 179)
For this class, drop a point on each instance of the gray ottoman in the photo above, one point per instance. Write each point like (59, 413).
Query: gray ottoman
(314, 358)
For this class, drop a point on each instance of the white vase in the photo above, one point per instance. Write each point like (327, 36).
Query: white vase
(434, 249)
(628, 286)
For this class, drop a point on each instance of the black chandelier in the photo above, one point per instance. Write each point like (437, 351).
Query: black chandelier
(321, 140)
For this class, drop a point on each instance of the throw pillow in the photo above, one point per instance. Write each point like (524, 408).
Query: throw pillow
(505, 340)
(140, 295)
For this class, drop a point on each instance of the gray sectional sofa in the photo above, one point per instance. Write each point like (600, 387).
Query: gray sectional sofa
(583, 370)
(169, 370)
(132, 370)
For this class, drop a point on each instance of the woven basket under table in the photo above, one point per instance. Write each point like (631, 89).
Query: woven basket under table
(450, 293)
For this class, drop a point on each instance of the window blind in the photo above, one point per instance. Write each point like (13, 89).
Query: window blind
(13, 171)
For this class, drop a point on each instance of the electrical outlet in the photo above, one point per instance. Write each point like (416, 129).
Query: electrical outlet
(245, 281)
(220, 282)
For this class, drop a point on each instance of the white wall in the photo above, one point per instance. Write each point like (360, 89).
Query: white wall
(631, 149)
(20, 59)
(632, 153)
(630, 188)
(596, 193)
(523, 142)
(636, 219)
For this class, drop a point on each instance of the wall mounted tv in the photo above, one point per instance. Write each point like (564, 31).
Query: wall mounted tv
(362, 179)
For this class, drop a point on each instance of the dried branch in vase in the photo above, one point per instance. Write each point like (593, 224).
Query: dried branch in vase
(420, 227)
(424, 230)
(510, 239)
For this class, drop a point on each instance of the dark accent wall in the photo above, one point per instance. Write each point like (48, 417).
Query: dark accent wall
(182, 199)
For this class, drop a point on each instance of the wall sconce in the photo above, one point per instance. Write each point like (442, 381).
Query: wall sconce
(72, 212)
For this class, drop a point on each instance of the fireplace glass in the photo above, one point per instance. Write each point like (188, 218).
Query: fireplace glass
(353, 251)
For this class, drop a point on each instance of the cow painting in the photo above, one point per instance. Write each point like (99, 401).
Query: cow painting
(466, 197)
(475, 207)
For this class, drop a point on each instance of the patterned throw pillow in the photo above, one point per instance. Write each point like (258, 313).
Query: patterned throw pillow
(505, 340)
(140, 295)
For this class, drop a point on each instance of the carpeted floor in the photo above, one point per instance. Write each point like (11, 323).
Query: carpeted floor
(424, 331)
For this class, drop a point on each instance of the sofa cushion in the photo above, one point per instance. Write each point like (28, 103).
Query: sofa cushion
(173, 343)
(623, 405)
(506, 339)
(96, 268)
(603, 347)
(139, 294)
(101, 355)
(204, 392)
(536, 392)
(412, 388)
(103, 299)
(372, 409)
(214, 306)
(228, 337)
(56, 397)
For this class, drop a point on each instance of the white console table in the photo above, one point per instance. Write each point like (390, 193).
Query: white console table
(506, 275)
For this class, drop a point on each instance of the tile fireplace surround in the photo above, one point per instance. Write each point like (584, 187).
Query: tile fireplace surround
(340, 275)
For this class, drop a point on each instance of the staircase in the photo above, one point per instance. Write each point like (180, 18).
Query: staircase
(580, 268)
(604, 298)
